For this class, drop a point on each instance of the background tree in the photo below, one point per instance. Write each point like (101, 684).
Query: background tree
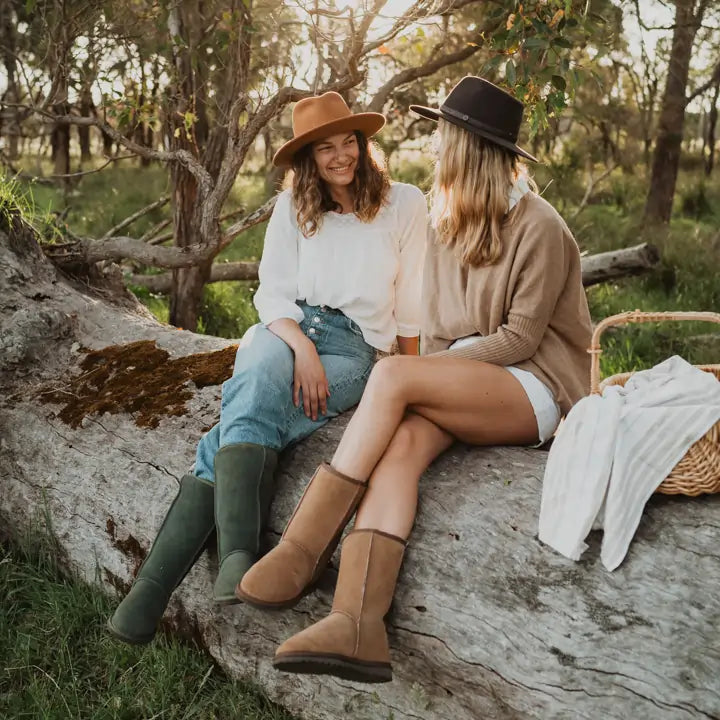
(689, 16)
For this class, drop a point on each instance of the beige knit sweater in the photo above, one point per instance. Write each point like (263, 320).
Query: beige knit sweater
(529, 306)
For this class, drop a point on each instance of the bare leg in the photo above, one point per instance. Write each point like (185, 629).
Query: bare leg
(390, 501)
(475, 402)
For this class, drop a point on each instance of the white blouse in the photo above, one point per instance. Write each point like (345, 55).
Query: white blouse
(371, 271)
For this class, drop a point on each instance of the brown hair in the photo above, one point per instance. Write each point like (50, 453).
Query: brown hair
(311, 194)
(473, 180)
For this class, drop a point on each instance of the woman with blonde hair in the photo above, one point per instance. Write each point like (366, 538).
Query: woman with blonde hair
(504, 336)
(340, 280)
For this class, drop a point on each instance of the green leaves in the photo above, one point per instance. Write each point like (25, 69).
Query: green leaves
(536, 47)
(510, 75)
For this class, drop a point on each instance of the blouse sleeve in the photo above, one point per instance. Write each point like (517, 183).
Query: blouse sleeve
(278, 273)
(413, 219)
(539, 283)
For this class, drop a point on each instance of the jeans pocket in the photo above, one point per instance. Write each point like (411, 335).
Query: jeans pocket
(354, 327)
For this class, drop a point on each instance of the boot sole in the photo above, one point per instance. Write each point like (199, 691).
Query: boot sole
(240, 596)
(129, 639)
(336, 665)
(226, 600)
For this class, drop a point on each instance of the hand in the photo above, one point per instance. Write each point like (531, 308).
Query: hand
(309, 376)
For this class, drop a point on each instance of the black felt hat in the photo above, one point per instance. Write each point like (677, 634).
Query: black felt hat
(482, 108)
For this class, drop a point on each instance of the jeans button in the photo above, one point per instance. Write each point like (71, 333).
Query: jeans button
(316, 319)
(312, 331)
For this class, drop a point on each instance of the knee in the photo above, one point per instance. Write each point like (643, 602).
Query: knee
(263, 360)
(387, 376)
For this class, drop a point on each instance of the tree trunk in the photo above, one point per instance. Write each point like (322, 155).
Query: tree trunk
(60, 140)
(106, 139)
(86, 110)
(8, 46)
(666, 159)
(711, 130)
(188, 283)
(486, 622)
(61, 144)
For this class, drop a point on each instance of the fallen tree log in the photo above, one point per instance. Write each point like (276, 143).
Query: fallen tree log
(487, 622)
(618, 263)
(219, 272)
(595, 268)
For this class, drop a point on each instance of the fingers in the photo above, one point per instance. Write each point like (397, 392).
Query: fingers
(314, 401)
(306, 399)
(322, 395)
(296, 391)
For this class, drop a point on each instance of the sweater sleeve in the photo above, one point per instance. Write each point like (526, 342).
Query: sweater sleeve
(413, 219)
(544, 259)
(278, 272)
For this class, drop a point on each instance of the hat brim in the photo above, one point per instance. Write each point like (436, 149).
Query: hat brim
(436, 113)
(367, 123)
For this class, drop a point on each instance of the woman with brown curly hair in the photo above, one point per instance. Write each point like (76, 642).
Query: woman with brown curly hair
(340, 280)
(504, 333)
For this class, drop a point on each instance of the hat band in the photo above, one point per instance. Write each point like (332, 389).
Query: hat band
(499, 132)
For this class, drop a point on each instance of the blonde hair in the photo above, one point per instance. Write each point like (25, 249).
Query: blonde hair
(469, 197)
(311, 195)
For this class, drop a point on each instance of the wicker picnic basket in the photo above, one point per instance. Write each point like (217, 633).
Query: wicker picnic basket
(699, 470)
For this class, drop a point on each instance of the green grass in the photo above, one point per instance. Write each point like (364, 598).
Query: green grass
(686, 279)
(57, 662)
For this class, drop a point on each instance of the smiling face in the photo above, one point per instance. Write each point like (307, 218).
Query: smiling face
(337, 158)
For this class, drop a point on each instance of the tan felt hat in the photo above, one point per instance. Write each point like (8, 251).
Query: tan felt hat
(320, 116)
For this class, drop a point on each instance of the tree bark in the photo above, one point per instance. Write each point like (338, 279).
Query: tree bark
(711, 132)
(187, 283)
(8, 46)
(86, 110)
(486, 622)
(616, 264)
(666, 158)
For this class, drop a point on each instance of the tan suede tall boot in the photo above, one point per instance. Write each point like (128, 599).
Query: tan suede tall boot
(290, 569)
(351, 642)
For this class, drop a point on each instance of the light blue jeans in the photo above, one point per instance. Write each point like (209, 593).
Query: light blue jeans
(257, 404)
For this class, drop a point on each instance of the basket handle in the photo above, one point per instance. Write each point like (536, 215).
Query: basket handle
(634, 316)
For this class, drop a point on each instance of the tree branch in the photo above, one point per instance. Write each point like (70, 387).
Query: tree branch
(712, 82)
(592, 184)
(250, 220)
(220, 272)
(413, 73)
(132, 218)
(205, 183)
(85, 251)
(420, 10)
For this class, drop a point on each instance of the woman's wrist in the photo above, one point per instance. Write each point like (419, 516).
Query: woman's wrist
(289, 331)
(302, 345)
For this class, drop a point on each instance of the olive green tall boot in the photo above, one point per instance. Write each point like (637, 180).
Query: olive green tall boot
(244, 484)
(180, 540)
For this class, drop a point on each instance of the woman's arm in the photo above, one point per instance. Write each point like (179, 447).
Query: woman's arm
(309, 373)
(413, 231)
(538, 286)
(278, 272)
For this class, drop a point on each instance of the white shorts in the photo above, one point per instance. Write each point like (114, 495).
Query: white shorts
(546, 409)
